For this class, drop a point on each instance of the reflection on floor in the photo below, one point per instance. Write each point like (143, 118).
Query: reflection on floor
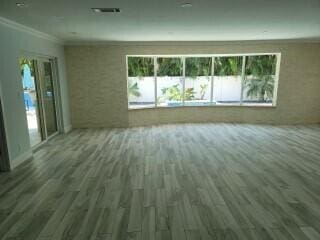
(173, 182)
(34, 131)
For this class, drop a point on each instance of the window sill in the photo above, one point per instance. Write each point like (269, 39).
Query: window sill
(207, 106)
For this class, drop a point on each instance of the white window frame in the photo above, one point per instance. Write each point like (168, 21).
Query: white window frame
(213, 56)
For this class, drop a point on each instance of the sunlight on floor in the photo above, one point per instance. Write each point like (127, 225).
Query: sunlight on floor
(34, 131)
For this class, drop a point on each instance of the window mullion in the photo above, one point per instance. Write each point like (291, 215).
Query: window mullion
(242, 77)
(183, 79)
(275, 87)
(127, 66)
(155, 80)
(212, 76)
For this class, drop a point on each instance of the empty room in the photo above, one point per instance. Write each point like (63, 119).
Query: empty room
(160, 120)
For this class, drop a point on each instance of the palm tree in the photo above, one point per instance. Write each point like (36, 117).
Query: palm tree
(198, 66)
(140, 66)
(133, 89)
(169, 67)
(262, 87)
(262, 71)
(24, 61)
(203, 89)
(227, 66)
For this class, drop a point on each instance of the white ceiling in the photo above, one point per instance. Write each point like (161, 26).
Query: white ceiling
(166, 20)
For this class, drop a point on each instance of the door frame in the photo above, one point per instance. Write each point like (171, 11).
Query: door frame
(41, 61)
(41, 120)
(4, 153)
(57, 91)
(56, 88)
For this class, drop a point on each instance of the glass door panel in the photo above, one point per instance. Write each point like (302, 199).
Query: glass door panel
(39, 98)
(31, 99)
(48, 98)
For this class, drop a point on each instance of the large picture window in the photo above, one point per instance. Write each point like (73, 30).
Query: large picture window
(193, 80)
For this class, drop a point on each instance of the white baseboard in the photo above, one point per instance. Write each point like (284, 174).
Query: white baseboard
(20, 159)
(67, 128)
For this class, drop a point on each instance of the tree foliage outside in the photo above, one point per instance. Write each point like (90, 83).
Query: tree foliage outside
(260, 88)
(198, 66)
(260, 72)
(25, 61)
(140, 67)
(227, 66)
(261, 65)
(133, 89)
(203, 90)
(175, 94)
(169, 67)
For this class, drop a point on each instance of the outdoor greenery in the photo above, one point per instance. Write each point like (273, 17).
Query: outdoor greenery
(133, 89)
(203, 90)
(261, 88)
(198, 66)
(261, 65)
(140, 67)
(227, 66)
(175, 94)
(24, 61)
(260, 71)
(169, 67)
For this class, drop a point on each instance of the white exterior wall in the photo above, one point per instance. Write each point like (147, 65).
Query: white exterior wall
(225, 88)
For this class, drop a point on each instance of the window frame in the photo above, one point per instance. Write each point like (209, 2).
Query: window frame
(212, 56)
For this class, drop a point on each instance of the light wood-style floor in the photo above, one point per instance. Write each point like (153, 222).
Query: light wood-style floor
(179, 182)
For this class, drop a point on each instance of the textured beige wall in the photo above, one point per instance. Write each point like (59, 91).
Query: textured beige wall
(98, 94)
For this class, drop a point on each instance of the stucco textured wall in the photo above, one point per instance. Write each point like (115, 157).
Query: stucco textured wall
(98, 94)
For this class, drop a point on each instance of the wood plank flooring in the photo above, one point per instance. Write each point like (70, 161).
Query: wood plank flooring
(172, 182)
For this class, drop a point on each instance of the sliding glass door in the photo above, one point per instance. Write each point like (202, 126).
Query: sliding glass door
(39, 98)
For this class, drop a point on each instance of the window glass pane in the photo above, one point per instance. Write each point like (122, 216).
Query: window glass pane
(227, 80)
(259, 79)
(169, 82)
(225, 85)
(141, 83)
(197, 81)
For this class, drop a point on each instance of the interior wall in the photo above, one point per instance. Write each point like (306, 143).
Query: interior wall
(13, 43)
(98, 85)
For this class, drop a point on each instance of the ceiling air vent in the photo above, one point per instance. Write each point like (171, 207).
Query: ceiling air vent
(106, 10)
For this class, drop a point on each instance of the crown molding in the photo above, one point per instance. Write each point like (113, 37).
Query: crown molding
(191, 43)
(17, 26)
